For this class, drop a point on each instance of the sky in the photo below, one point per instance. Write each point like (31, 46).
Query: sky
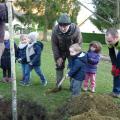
(83, 15)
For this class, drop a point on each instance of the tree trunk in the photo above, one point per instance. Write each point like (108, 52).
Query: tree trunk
(118, 13)
(12, 52)
(45, 29)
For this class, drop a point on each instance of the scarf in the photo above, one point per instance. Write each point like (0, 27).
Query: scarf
(30, 51)
(22, 45)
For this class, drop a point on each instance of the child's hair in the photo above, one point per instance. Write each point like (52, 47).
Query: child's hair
(112, 31)
(7, 35)
(22, 36)
(97, 45)
(76, 47)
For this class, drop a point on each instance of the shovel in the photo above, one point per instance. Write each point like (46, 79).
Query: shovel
(60, 83)
(57, 88)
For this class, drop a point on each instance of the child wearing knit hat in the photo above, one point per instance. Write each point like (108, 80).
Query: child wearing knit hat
(33, 53)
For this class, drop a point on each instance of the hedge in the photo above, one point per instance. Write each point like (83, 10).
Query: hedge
(88, 37)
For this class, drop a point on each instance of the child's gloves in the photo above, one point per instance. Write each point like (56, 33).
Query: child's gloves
(90, 61)
(113, 68)
(115, 71)
(66, 76)
(19, 60)
(30, 63)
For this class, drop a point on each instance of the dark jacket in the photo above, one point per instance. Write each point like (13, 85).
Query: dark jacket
(3, 19)
(115, 59)
(3, 12)
(21, 54)
(35, 59)
(92, 61)
(78, 66)
(62, 41)
(6, 59)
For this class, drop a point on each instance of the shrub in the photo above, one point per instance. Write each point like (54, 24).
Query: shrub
(88, 37)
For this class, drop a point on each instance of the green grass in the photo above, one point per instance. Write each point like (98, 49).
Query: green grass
(36, 92)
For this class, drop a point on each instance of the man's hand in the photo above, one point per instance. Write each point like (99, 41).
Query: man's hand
(59, 61)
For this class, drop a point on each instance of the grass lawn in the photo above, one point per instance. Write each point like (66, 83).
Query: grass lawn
(36, 92)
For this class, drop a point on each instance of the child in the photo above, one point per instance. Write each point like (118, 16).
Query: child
(93, 58)
(6, 59)
(77, 66)
(33, 52)
(113, 42)
(21, 56)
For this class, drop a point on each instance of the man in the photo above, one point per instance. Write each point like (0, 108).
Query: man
(3, 19)
(63, 36)
(113, 42)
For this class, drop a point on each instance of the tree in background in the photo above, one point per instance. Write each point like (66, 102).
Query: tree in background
(45, 12)
(2, 0)
(108, 10)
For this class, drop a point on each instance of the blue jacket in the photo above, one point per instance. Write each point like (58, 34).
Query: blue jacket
(92, 61)
(35, 59)
(21, 54)
(77, 66)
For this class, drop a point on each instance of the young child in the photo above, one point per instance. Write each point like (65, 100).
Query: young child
(113, 41)
(93, 57)
(6, 59)
(33, 52)
(77, 67)
(21, 57)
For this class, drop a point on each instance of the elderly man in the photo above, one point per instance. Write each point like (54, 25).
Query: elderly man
(64, 34)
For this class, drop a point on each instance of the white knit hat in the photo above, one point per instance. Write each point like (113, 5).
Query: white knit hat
(33, 36)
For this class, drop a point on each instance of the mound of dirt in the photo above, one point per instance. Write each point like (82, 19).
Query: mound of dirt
(26, 111)
(92, 115)
(89, 107)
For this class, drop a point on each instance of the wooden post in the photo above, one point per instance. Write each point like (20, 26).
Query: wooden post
(118, 13)
(12, 52)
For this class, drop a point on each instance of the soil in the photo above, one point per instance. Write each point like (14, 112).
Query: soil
(88, 106)
(26, 111)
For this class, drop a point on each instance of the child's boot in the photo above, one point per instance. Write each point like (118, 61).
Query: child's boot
(44, 83)
(4, 79)
(10, 80)
(85, 89)
(1, 97)
(93, 90)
